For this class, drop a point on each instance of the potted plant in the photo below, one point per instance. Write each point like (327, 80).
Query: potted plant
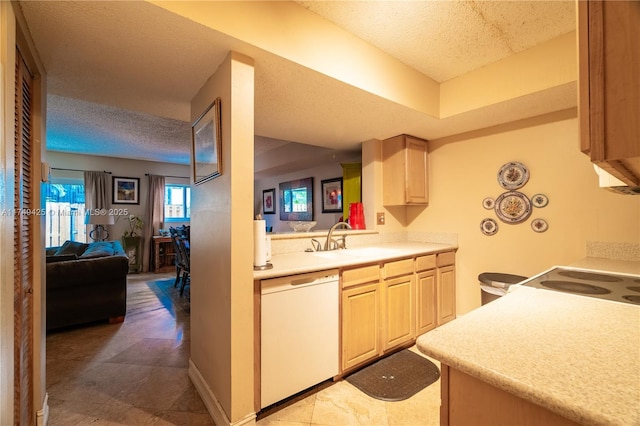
(135, 226)
(131, 242)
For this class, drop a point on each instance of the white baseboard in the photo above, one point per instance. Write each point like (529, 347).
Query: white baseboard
(211, 402)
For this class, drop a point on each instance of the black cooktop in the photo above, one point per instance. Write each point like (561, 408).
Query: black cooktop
(612, 286)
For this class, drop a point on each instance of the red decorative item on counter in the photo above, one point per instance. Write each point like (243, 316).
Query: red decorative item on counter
(356, 216)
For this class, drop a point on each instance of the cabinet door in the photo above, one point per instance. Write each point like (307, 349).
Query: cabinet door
(417, 184)
(425, 301)
(609, 88)
(404, 169)
(446, 294)
(399, 311)
(360, 324)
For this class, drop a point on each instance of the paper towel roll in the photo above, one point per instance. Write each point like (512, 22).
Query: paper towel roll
(259, 243)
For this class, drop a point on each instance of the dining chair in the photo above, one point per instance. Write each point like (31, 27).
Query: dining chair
(179, 258)
(185, 255)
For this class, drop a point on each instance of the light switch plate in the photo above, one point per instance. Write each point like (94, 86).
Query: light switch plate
(380, 218)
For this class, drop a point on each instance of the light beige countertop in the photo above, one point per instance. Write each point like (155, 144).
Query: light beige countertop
(297, 263)
(576, 356)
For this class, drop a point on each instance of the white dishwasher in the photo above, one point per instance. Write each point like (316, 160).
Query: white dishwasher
(299, 333)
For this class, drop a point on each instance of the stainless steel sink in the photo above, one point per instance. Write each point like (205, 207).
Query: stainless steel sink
(370, 252)
(360, 253)
(333, 254)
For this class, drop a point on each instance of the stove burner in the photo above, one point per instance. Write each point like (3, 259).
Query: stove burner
(574, 287)
(632, 298)
(590, 276)
(634, 289)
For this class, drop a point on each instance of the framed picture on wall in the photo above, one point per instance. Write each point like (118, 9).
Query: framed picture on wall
(206, 138)
(332, 195)
(126, 190)
(296, 200)
(269, 201)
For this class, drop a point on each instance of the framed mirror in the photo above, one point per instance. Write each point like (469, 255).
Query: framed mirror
(296, 200)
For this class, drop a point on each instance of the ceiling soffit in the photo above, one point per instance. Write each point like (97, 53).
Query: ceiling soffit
(307, 90)
(324, 47)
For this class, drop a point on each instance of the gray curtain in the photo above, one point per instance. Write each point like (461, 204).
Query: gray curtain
(96, 191)
(154, 216)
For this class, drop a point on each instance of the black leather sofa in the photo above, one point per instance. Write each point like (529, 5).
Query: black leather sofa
(86, 283)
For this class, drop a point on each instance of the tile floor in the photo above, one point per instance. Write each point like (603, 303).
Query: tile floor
(343, 404)
(135, 373)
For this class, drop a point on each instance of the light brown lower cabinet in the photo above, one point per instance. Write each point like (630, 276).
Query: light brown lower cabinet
(399, 314)
(470, 401)
(425, 301)
(446, 287)
(385, 306)
(360, 324)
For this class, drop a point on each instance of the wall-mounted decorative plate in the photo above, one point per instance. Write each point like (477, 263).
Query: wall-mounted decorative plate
(513, 175)
(488, 203)
(539, 225)
(513, 207)
(539, 200)
(488, 226)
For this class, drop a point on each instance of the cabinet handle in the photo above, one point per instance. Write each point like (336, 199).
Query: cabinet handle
(301, 281)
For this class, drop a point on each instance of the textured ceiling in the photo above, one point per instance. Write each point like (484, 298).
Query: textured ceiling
(121, 74)
(127, 54)
(445, 39)
(79, 126)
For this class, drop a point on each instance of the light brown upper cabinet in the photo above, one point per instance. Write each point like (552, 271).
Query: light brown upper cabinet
(609, 86)
(405, 171)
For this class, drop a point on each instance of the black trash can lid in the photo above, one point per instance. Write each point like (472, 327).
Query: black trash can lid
(498, 279)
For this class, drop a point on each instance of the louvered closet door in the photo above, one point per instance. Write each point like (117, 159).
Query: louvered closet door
(23, 249)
